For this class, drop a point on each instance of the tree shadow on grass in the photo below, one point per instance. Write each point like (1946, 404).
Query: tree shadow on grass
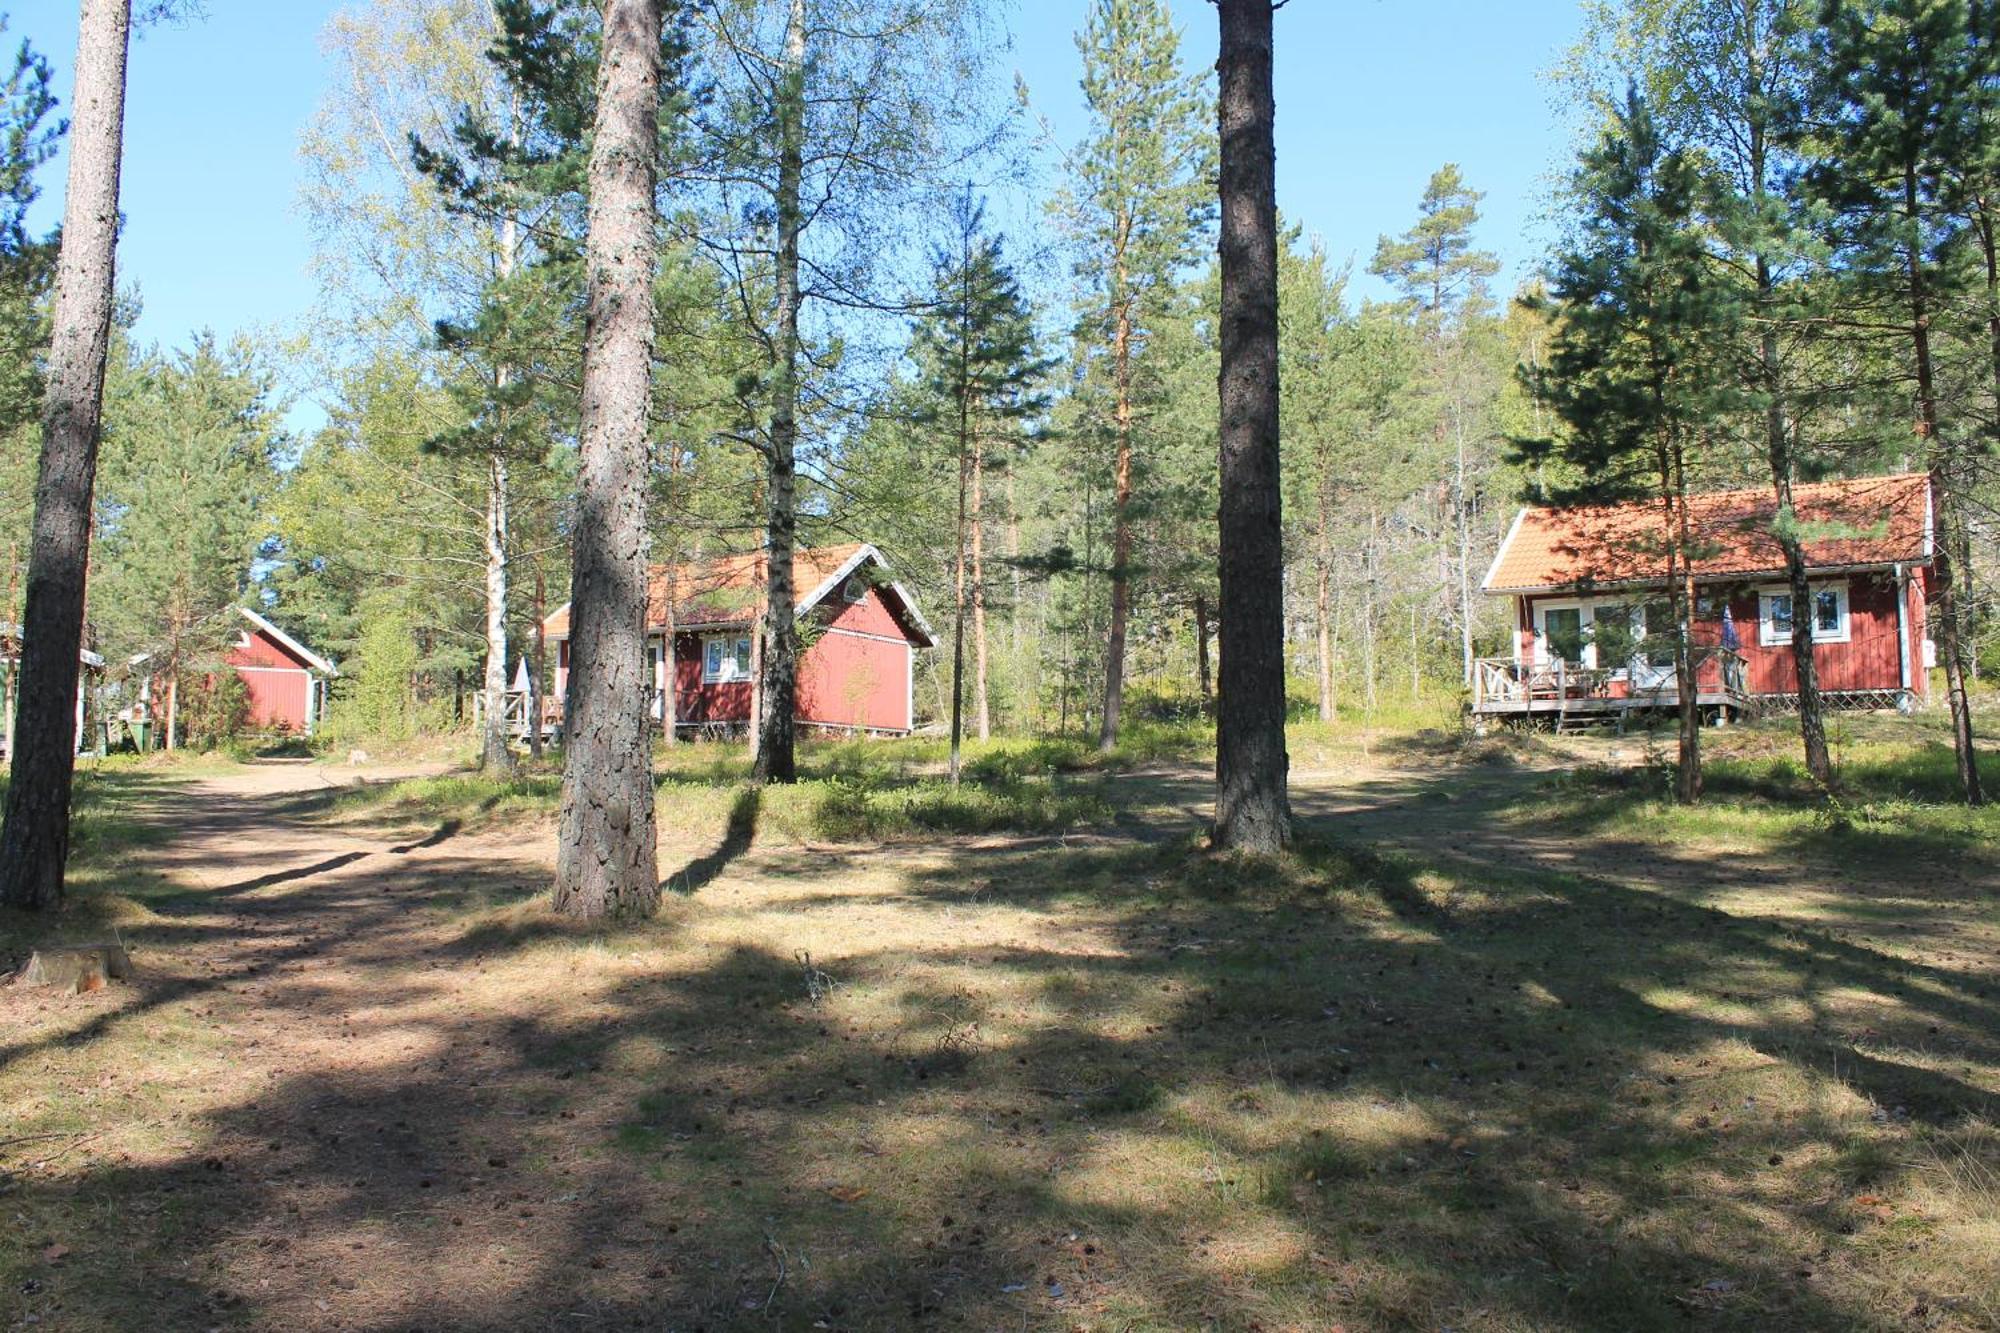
(1041, 1087)
(738, 833)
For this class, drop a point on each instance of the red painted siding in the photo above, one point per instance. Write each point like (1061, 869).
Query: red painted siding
(870, 615)
(848, 680)
(855, 674)
(277, 698)
(1870, 658)
(277, 682)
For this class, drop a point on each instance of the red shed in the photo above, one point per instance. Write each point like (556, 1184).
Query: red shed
(860, 628)
(285, 680)
(1586, 578)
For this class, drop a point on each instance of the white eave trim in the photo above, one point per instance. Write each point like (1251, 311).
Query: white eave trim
(853, 562)
(312, 659)
(1486, 584)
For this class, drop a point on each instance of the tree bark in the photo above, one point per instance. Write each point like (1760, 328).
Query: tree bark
(1252, 812)
(958, 598)
(1121, 525)
(1778, 450)
(778, 664)
(34, 842)
(495, 755)
(538, 653)
(1368, 624)
(1462, 502)
(976, 522)
(1949, 518)
(1322, 606)
(608, 860)
(1204, 674)
(1680, 585)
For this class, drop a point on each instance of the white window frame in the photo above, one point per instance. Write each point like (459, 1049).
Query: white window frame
(854, 591)
(727, 672)
(1543, 657)
(1770, 636)
(1633, 604)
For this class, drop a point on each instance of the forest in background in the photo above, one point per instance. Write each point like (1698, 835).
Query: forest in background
(419, 536)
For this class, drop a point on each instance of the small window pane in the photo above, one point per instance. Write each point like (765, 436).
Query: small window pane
(713, 666)
(743, 656)
(1779, 609)
(1826, 611)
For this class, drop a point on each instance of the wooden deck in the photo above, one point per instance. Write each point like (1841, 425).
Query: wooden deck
(1565, 694)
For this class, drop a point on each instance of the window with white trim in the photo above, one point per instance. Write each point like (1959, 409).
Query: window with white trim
(1829, 615)
(854, 590)
(724, 658)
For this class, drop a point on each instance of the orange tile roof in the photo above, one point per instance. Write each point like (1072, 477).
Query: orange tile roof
(1865, 521)
(727, 590)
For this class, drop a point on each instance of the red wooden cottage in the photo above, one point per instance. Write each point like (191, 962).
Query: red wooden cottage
(1590, 614)
(286, 681)
(861, 630)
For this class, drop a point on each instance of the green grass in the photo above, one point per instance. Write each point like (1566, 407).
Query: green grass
(848, 792)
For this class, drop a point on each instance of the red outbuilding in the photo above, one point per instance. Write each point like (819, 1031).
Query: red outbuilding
(859, 628)
(1593, 628)
(286, 681)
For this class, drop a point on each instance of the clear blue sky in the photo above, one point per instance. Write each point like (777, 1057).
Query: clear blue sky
(1373, 95)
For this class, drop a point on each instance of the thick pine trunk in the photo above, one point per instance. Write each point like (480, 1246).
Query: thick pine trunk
(778, 655)
(1252, 812)
(607, 863)
(34, 842)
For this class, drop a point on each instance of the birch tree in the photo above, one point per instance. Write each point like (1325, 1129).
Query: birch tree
(836, 126)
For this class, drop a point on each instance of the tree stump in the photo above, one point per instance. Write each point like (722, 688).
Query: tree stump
(74, 969)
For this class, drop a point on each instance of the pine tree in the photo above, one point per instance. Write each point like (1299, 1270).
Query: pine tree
(976, 353)
(1252, 812)
(1639, 368)
(607, 855)
(1140, 205)
(34, 841)
(1896, 100)
(192, 448)
(1443, 279)
(1727, 76)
